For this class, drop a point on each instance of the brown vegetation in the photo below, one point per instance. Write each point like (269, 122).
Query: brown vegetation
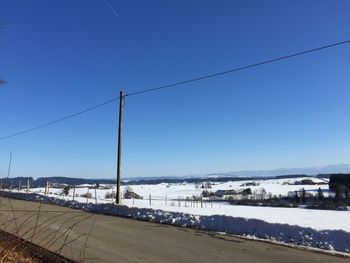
(31, 235)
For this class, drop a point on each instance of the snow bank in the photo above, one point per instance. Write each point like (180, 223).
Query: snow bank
(337, 240)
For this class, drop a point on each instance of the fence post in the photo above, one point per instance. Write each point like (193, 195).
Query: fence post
(166, 200)
(87, 195)
(133, 198)
(11, 185)
(95, 196)
(19, 185)
(28, 185)
(73, 193)
(150, 202)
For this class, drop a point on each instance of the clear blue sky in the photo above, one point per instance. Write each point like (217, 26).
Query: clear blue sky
(62, 56)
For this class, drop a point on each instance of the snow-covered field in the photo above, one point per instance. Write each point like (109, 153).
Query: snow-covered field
(184, 190)
(164, 196)
(274, 186)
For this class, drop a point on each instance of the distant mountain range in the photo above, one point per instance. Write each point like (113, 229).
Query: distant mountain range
(315, 170)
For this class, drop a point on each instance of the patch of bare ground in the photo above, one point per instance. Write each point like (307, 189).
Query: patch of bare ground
(17, 250)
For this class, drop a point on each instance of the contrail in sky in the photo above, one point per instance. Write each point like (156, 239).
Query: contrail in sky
(111, 8)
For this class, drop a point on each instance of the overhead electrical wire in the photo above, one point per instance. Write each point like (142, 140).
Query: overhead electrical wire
(217, 74)
(238, 69)
(59, 120)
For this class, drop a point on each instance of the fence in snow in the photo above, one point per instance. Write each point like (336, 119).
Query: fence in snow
(150, 200)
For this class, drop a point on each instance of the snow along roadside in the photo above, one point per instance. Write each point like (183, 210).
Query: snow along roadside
(334, 240)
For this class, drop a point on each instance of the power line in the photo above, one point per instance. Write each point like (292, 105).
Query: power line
(239, 68)
(177, 84)
(59, 120)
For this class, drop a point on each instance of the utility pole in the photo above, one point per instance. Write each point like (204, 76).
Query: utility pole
(121, 102)
(9, 168)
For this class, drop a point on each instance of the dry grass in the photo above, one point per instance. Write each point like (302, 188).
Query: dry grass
(36, 236)
(11, 250)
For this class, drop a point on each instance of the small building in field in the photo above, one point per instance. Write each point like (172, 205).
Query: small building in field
(131, 195)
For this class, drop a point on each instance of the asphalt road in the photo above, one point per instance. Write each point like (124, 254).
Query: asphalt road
(115, 239)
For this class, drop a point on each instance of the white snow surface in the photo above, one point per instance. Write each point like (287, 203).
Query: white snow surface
(316, 219)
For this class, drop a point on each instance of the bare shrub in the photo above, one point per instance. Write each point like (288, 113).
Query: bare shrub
(110, 195)
(86, 195)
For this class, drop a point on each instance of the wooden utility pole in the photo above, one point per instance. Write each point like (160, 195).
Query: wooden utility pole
(121, 102)
(9, 168)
